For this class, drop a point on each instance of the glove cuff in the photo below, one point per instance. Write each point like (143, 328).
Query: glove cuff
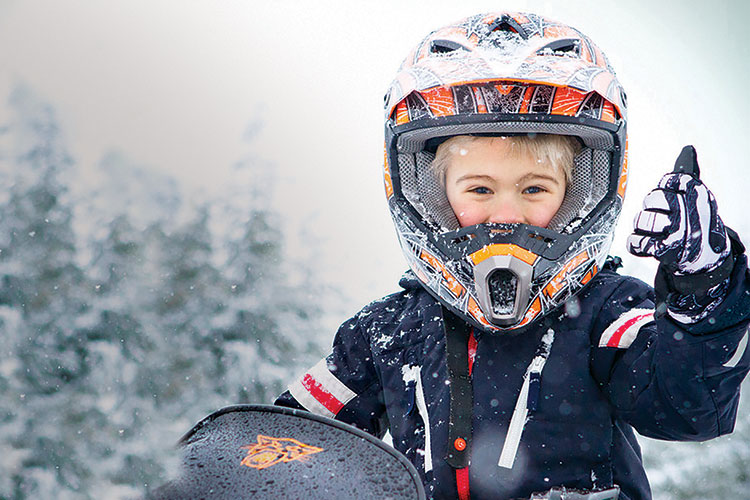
(698, 283)
(692, 296)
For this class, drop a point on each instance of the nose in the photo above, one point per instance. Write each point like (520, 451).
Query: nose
(506, 212)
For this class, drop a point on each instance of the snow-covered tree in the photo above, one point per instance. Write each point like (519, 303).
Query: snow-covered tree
(118, 334)
(43, 291)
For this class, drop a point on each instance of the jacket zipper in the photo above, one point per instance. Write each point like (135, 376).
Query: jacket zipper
(527, 400)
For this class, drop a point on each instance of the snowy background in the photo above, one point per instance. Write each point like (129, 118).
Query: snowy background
(203, 126)
(186, 90)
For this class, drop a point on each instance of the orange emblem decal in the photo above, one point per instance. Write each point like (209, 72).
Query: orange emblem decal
(559, 281)
(387, 175)
(270, 451)
(623, 182)
(450, 282)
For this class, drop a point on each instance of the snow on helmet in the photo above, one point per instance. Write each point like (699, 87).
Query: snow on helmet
(504, 74)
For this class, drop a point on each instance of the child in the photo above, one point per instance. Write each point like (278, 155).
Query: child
(505, 179)
(516, 359)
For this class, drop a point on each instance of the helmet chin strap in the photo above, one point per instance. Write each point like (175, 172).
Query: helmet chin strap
(459, 338)
(457, 334)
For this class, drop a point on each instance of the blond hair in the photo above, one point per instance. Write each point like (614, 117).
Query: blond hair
(555, 151)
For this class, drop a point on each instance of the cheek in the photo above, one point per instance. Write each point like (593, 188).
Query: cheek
(467, 213)
(543, 214)
(469, 218)
(541, 219)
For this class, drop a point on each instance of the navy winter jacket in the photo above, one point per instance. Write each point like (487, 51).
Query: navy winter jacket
(612, 367)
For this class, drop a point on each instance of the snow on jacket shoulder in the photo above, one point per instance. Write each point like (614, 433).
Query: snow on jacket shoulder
(611, 367)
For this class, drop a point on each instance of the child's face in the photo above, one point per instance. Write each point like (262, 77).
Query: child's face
(484, 182)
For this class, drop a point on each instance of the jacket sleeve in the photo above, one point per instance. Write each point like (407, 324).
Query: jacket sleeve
(344, 385)
(670, 380)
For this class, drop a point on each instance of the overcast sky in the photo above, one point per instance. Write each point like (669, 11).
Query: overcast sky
(178, 85)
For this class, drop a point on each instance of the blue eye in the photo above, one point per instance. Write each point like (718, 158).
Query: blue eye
(481, 190)
(533, 190)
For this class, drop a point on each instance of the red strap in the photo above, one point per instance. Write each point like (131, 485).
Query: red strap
(462, 475)
(462, 483)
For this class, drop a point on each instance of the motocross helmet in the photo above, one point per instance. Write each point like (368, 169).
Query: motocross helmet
(505, 74)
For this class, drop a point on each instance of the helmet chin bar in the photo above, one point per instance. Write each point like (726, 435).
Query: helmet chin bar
(503, 283)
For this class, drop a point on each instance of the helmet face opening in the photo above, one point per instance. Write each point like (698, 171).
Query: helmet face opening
(589, 184)
(505, 276)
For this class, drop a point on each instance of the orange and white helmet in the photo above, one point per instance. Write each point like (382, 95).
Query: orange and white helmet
(503, 74)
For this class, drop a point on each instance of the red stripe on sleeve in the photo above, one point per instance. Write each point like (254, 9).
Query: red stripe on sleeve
(319, 393)
(614, 341)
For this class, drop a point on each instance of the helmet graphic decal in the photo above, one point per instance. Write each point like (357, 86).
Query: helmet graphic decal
(503, 97)
(485, 52)
(505, 74)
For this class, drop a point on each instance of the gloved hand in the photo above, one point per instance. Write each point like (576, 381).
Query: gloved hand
(679, 223)
(680, 226)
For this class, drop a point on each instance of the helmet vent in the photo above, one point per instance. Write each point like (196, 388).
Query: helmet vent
(567, 47)
(503, 285)
(543, 239)
(445, 46)
(463, 239)
(507, 23)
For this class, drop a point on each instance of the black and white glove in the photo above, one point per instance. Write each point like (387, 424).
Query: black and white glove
(680, 226)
